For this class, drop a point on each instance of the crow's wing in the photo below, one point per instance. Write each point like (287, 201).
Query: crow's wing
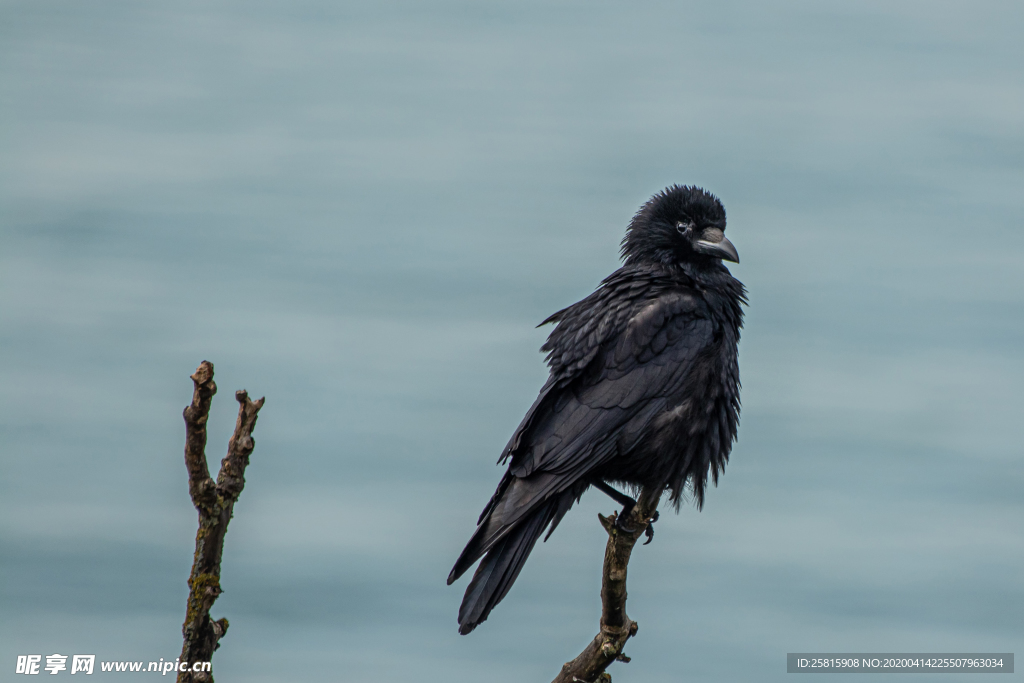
(629, 380)
(576, 427)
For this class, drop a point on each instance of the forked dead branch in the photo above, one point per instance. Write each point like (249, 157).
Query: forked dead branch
(215, 502)
(616, 628)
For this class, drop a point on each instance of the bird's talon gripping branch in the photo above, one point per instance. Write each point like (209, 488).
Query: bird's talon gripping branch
(621, 525)
(649, 531)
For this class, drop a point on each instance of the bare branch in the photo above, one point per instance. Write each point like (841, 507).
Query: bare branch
(616, 627)
(215, 503)
(200, 485)
(232, 468)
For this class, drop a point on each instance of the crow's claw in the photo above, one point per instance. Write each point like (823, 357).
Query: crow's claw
(649, 531)
(620, 521)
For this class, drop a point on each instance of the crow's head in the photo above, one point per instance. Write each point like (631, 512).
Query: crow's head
(680, 224)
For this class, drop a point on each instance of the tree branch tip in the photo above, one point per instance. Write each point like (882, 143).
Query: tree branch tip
(242, 396)
(204, 373)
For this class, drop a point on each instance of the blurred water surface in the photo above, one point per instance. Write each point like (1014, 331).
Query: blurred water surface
(361, 210)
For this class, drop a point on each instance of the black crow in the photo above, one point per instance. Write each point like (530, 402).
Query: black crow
(643, 390)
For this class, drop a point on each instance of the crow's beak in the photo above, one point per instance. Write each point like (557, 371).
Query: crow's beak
(722, 249)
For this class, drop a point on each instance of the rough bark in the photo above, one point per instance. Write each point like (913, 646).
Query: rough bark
(616, 627)
(215, 502)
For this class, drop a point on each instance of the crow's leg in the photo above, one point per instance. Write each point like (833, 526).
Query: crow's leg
(627, 508)
(619, 497)
(615, 495)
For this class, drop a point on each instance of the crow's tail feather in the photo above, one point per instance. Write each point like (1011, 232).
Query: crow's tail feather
(502, 564)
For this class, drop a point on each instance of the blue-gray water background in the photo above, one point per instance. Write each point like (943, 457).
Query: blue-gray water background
(361, 210)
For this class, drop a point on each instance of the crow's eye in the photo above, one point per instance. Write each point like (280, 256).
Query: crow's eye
(684, 227)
